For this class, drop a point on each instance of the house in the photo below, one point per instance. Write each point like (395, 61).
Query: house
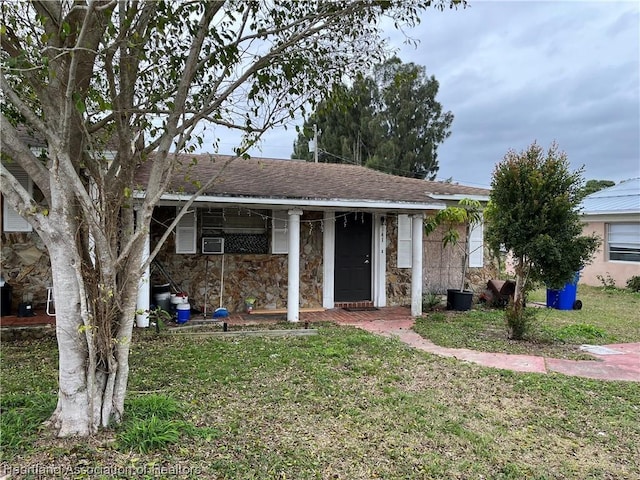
(292, 234)
(614, 215)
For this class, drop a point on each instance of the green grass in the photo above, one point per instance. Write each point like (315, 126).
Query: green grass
(606, 317)
(341, 404)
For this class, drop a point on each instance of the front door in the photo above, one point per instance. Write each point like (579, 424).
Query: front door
(353, 257)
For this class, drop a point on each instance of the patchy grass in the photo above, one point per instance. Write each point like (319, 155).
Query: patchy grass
(606, 317)
(615, 312)
(342, 404)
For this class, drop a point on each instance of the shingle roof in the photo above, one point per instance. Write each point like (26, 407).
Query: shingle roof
(30, 137)
(269, 178)
(621, 198)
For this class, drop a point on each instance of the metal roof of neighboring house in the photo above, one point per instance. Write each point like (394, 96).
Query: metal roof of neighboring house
(305, 183)
(621, 198)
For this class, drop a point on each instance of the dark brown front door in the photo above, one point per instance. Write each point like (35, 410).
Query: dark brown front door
(353, 257)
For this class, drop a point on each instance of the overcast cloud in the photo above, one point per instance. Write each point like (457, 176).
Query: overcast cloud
(517, 72)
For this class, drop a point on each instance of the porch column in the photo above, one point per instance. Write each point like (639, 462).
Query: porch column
(293, 290)
(416, 264)
(328, 259)
(379, 260)
(144, 300)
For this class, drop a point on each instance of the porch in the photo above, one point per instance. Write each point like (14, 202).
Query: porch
(341, 316)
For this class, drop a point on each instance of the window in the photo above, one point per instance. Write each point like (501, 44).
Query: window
(476, 250)
(186, 233)
(279, 234)
(12, 221)
(624, 242)
(404, 241)
(243, 231)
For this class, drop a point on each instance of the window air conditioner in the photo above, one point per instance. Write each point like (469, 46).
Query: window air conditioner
(213, 245)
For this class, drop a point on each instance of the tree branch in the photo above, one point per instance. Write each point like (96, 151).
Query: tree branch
(23, 156)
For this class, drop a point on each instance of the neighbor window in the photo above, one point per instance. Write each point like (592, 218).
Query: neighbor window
(623, 242)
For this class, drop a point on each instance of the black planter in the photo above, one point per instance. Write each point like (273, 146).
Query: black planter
(459, 300)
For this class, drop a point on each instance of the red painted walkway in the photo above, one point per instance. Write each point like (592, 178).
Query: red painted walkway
(614, 362)
(611, 362)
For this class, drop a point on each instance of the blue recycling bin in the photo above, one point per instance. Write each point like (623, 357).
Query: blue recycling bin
(564, 299)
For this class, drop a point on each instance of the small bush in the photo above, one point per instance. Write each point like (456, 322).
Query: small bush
(633, 283)
(430, 301)
(519, 321)
(608, 283)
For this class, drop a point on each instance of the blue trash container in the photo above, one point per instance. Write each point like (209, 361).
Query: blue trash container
(564, 299)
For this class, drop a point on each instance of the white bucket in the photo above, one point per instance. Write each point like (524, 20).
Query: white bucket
(178, 299)
(142, 320)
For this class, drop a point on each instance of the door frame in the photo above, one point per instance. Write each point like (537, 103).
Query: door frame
(378, 259)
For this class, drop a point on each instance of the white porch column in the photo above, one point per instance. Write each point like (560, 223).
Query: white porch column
(416, 264)
(379, 260)
(328, 259)
(144, 296)
(293, 290)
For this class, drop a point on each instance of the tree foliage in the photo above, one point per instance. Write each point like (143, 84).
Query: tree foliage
(533, 214)
(593, 186)
(389, 121)
(106, 83)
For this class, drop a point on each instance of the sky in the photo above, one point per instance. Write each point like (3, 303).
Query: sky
(515, 72)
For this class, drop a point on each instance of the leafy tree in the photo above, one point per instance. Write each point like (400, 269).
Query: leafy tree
(389, 121)
(134, 78)
(533, 213)
(593, 186)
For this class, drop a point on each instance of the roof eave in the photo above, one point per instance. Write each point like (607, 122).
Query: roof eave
(459, 196)
(333, 203)
(618, 216)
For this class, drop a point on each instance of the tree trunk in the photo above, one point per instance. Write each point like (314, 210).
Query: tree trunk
(515, 313)
(72, 415)
(518, 296)
(91, 389)
(95, 307)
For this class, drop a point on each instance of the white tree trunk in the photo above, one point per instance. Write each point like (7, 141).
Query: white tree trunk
(93, 348)
(72, 415)
(91, 394)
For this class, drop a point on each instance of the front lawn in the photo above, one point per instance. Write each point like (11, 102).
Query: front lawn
(343, 404)
(607, 316)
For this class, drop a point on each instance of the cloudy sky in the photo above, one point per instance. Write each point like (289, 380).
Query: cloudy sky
(515, 72)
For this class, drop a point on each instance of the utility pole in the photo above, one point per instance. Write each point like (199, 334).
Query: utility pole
(315, 142)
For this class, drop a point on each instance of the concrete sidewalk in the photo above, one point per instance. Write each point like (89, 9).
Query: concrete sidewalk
(611, 362)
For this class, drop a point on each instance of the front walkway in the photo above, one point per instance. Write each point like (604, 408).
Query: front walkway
(611, 362)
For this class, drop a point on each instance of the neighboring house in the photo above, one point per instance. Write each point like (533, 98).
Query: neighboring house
(614, 215)
(294, 234)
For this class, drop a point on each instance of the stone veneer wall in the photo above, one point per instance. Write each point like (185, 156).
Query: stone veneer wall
(398, 279)
(442, 267)
(26, 267)
(263, 276)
